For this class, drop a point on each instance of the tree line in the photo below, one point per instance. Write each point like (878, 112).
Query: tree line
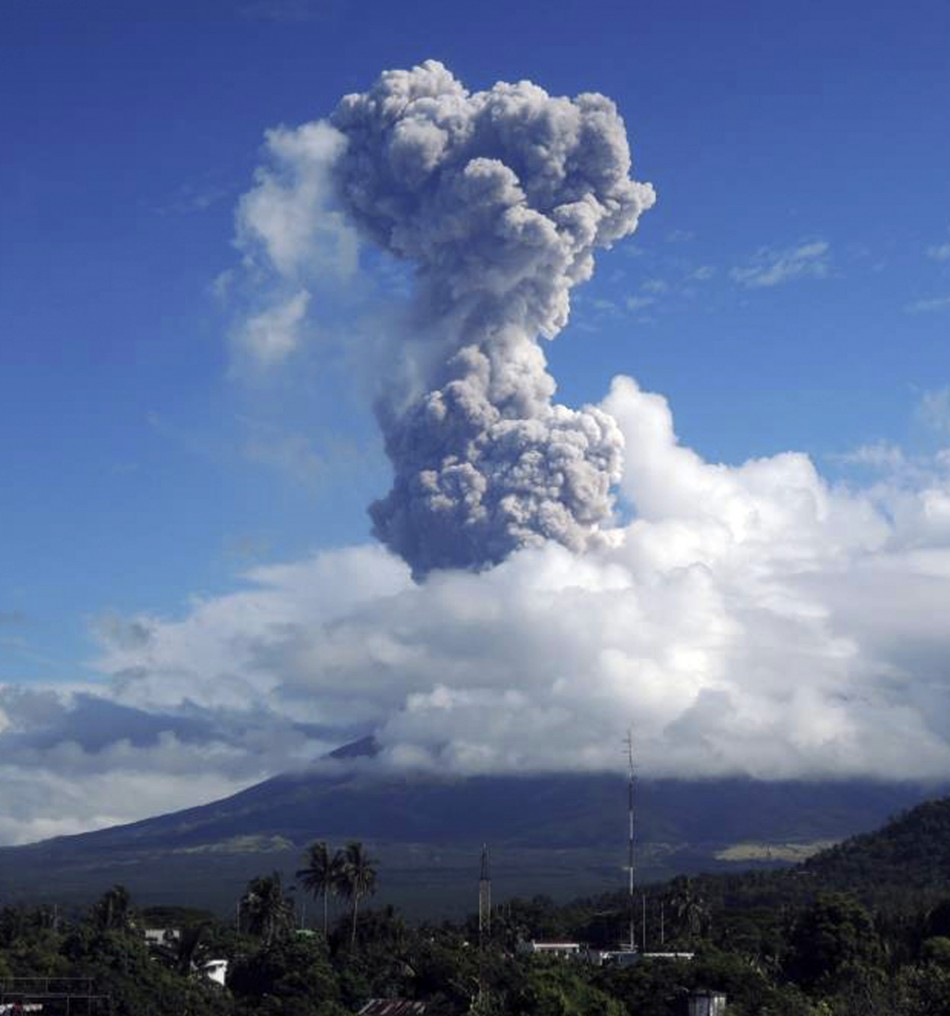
(771, 944)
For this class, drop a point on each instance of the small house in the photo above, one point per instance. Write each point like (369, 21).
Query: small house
(707, 1003)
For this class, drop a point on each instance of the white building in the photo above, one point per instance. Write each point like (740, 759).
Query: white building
(559, 949)
(707, 1003)
(216, 970)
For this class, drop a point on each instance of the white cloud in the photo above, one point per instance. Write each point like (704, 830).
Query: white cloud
(939, 252)
(294, 243)
(772, 268)
(750, 619)
(880, 455)
(287, 221)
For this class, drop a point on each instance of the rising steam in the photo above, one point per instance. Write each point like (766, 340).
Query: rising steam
(498, 199)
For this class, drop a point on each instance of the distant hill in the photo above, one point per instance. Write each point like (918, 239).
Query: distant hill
(559, 834)
(912, 852)
(902, 866)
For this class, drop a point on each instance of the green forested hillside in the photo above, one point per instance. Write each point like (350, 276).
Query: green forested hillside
(912, 852)
(862, 929)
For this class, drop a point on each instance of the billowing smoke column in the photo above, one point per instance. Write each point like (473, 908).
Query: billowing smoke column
(498, 198)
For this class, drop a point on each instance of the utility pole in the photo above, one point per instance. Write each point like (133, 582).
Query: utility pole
(643, 922)
(632, 943)
(484, 898)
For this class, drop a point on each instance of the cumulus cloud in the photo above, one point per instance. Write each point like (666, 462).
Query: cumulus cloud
(750, 619)
(735, 622)
(773, 268)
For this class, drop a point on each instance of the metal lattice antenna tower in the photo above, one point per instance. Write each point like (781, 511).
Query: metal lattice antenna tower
(484, 924)
(484, 896)
(632, 776)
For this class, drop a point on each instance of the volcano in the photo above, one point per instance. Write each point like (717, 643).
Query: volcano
(559, 834)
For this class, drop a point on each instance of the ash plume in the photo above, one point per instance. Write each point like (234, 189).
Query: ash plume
(498, 199)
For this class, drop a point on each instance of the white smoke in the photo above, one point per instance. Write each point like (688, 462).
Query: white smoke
(498, 199)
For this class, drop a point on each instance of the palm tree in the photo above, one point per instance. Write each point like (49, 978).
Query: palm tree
(688, 906)
(321, 874)
(358, 877)
(266, 909)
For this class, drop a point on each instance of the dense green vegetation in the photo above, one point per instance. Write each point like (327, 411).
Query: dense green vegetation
(863, 928)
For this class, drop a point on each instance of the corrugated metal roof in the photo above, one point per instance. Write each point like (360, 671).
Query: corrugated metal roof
(392, 1007)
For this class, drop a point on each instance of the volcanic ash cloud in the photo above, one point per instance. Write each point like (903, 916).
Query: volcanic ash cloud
(498, 199)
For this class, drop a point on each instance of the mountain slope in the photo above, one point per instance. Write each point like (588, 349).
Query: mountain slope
(561, 834)
(911, 852)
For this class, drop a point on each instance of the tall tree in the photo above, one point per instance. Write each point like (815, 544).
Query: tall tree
(268, 913)
(832, 939)
(322, 874)
(358, 877)
(113, 911)
(689, 907)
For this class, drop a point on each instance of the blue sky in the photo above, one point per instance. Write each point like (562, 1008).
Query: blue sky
(789, 291)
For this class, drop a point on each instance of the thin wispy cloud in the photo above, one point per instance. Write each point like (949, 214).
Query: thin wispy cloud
(271, 336)
(773, 268)
(655, 286)
(884, 455)
(302, 459)
(933, 410)
(930, 306)
(292, 454)
(191, 198)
